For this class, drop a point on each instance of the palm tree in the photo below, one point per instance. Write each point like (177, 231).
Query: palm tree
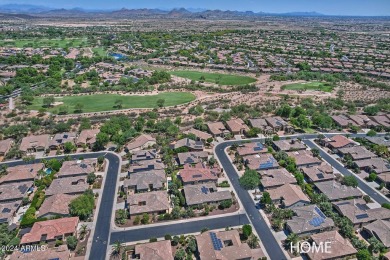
(117, 248)
(83, 230)
(291, 239)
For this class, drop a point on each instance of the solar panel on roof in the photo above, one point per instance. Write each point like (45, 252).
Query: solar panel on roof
(217, 243)
(204, 190)
(320, 213)
(316, 222)
(320, 176)
(6, 210)
(365, 215)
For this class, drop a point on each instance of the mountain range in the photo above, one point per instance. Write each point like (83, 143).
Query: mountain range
(36, 10)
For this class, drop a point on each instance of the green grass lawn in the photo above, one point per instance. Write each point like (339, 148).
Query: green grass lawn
(326, 87)
(100, 51)
(106, 102)
(222, 79)
(54, 43)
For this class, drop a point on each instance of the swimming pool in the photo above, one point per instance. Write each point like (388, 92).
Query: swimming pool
(117, 56)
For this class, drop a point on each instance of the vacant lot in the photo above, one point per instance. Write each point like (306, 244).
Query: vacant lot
(53, 43)
(222, 79)
(106, 102)
(326, 87)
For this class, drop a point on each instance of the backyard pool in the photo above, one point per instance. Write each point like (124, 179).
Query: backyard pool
(117, 56)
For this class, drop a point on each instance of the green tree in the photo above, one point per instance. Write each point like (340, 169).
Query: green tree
(252, 241)
(145, 218)
(191, 245)
(91, 178)
(350, 181)
(83, 205)
(246, 231)
(363, 254)
(180, 254)
(266, 198)
(78, 108)
(160, 102)
(119, 103)
(117, 248)
(71, 241)
(371, 133)
(250, 180)
(48, 101)
(225, 204)
(69, 147)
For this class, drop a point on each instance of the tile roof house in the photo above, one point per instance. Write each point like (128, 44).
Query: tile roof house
(8, 210)
(205, 193)
(251, 148)
(203, 136)
(189, 143)
(70, 185)
(141, 155)
(338, 141)
(146, 165)
(304, 158)
(277, 123)
(343, 121)
(56, 205)
(51, 230)
(288, 145)
(141, 142)
(308, 220)
(237, 126)
(357, 211)
(34, 143)
(289, 195)
(87, 137)
(192, 157)
(217, 129)
(261, 162)
(160, 250)
(380, 229)
(340, 247)
(14, 191)
(145, 181)
(336, 191)
(382, 120)
(198, 173)
(317, 173)
(59, 140)
(59, 253)
(5, 146)
(261, 124)
(22, 173)
(357, 153)
(271, 179)
(377, 165)
(363, 120)
(156, 202)
(379, 140)
(77, 168)
(225, 245)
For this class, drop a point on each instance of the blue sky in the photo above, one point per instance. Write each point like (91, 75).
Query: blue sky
(335, 7)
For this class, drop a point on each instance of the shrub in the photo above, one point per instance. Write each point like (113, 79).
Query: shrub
(71, 241)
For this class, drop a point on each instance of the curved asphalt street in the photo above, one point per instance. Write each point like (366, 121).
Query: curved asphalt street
(102, 232)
